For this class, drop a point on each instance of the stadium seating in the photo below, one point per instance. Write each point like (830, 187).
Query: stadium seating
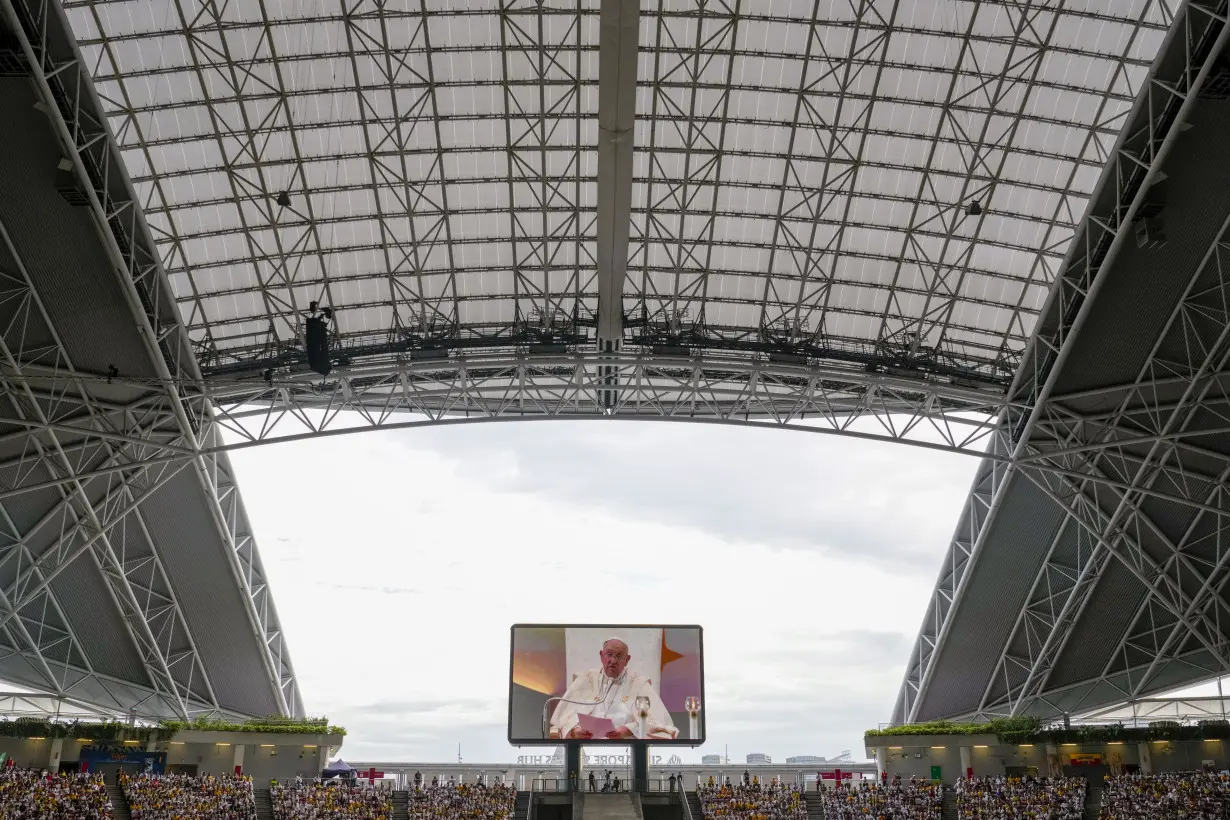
(175, 796)
(899, 801)
(463, 802)
(330, 801)
(1186, 796)
(752, 802)
(995, 798)
(26, 794)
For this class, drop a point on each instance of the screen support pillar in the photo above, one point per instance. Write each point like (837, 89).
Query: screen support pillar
(572, 766)
(640, 767)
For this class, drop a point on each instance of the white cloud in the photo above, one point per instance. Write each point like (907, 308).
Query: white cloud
(808, 560)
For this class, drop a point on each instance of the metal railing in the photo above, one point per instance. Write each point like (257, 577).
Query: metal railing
(687, 804)
(663, 784)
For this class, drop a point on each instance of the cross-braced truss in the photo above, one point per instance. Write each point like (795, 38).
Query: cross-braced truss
(477, 389)
(99, 505)
(1141, 712)
(871, 183)
(835, 215)
(437, 163)
(1137, 468)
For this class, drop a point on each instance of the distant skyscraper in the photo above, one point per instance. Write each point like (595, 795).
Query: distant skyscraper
(758, 757)
(711, 760)
(804, 760)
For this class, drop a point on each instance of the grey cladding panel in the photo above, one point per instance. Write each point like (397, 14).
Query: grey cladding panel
(60, 246)
(996, 591)
(1106, 616)
(1144, 285)
(41, 516)
(95, 618)
(200, 574)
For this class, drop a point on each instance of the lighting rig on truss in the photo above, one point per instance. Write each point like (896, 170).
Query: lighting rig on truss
(911, 356)
(552, 330)
(791, 340)
(544, 330)
(670, 333)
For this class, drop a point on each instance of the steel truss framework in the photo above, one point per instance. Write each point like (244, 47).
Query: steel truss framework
(55, 707)
(100, 515)
(839, 216)
(1113, 462)
(452, 182)
(1141, 712)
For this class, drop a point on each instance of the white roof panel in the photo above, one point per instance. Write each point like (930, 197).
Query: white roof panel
(932, 105)
(799, 164)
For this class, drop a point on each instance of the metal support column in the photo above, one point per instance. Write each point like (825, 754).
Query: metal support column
(640, 767)
(616, 115)
(572, 766)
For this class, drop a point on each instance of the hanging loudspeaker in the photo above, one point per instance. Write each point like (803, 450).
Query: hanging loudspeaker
(318, 345)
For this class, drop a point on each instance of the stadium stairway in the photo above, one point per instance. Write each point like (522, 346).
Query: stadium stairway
(521, 809)
(617, 806)
(264, 804)
(948, 805)
(120, 809)
(1093, 799)
(698, 813)
(401, 806)
(815, 806)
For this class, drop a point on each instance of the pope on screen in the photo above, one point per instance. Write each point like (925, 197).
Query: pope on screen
(611, 692)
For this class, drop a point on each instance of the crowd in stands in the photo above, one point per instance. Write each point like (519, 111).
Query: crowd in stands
(181, 796)
(1000, 798)
(27, 794)
(465, 801)
(751, 801)
(913, 800)
(330, 801)
(1187, 796)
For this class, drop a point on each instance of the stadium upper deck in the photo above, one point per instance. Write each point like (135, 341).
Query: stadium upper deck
(808, 213)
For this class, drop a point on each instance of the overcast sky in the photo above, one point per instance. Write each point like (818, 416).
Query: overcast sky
(807, 558)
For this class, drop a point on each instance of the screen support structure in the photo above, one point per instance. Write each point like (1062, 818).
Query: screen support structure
(572, 766)
(640, 766)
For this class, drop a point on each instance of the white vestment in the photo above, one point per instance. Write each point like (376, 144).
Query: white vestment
(615, 699)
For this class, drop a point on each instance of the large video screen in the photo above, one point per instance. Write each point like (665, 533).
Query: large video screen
(606, 684)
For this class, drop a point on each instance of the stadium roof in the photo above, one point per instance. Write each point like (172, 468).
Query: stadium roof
(808, 212)
(800, 171)
(1089, 566)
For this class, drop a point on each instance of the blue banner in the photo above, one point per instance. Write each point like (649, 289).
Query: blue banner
(154, 762)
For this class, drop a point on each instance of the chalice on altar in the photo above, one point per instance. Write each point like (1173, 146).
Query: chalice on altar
(691, 705)
(642, 711)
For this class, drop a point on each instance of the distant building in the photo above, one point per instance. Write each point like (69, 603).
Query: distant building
(711, 760)
(804, 760)
(758, 758)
